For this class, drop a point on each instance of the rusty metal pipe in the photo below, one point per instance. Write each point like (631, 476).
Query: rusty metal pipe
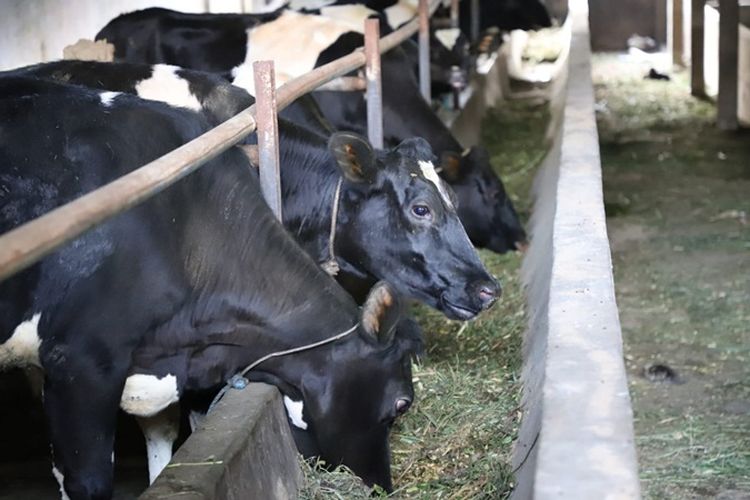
(374, 83)
(424, 50)
(268, 134)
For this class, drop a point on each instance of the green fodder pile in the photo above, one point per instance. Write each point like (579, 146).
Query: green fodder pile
(457, 439)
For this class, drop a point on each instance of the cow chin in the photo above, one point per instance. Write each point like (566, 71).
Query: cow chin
(455, 310)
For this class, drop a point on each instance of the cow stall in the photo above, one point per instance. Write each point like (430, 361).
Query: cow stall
(575, 401)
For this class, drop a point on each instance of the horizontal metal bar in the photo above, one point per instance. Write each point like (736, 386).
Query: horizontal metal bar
(24, 245)
(345, 84)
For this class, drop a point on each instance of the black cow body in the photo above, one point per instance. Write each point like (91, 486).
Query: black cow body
(177, 294)
(142, 37)
(449, 48)
(377, 236)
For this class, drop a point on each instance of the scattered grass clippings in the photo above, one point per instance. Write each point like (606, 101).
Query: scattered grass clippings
(677, 193)
(457, 439)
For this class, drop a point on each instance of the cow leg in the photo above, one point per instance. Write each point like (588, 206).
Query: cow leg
(81, 402)
(161, 432)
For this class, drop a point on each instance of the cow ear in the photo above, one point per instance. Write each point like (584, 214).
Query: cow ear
(380, 314)
(409, 336)
(450, 166)
(354, 156)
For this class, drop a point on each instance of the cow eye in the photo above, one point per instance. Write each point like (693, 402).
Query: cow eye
(402, 405)
(421, 211)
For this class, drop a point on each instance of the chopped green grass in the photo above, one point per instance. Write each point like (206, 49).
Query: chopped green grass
(456, 441)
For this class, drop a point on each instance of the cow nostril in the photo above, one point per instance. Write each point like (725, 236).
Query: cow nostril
(488, 294)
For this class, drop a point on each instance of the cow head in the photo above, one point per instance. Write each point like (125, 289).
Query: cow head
(484, 207)
(350, 394)
(450, 60)
(400, 225)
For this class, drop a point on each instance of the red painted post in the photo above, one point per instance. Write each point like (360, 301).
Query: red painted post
(424, 49)
(268, 134)
(374, 83)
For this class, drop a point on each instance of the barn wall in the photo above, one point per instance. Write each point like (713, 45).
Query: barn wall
(614, 21)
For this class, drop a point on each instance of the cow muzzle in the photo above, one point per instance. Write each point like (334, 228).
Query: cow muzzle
(481, 296)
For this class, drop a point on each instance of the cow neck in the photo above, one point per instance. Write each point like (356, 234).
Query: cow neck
(238, 380)
(331, 265)
(309, 183)
(291, 295)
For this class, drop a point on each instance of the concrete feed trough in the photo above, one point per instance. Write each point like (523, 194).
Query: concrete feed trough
(576, 438)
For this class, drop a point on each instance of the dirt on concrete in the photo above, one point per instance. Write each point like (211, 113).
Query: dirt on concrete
(677, 193)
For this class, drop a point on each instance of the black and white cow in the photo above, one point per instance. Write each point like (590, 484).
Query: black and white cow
(506, 15)
(298, 43)
(449, 47)
(396, 218)
(175, 295)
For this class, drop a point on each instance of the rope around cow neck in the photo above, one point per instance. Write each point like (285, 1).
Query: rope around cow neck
(238, 380)
(331, 266)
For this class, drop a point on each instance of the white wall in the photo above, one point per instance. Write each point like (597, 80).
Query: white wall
(37, 30)
(33, 31)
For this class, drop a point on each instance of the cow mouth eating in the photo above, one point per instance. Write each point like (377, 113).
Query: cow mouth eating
(455, 311)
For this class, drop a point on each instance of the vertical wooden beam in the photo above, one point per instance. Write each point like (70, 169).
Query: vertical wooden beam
(374, 83)
(729, 12)
(424, 49)
(454, 13)
(268, 134)
(677, 34)
(474, 20)
(697, 75)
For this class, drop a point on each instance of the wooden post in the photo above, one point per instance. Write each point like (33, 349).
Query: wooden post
(374, 83)
(728, 52)
(424, 49)
(454, 13)
(474, 20)
(697, 21)
(676, 32)
(268, 134)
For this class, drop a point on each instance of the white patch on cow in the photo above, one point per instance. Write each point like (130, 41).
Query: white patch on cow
(147, 395)
(108, 97)
(61, 482)
(294, 410)
(165, 86)
(352, 15)
(448, 37)
(293, 41)
(22, 348)
(429, 173)
(309, 4)
(401, 13)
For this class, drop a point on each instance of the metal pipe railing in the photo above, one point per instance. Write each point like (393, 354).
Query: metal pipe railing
(26, 244)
